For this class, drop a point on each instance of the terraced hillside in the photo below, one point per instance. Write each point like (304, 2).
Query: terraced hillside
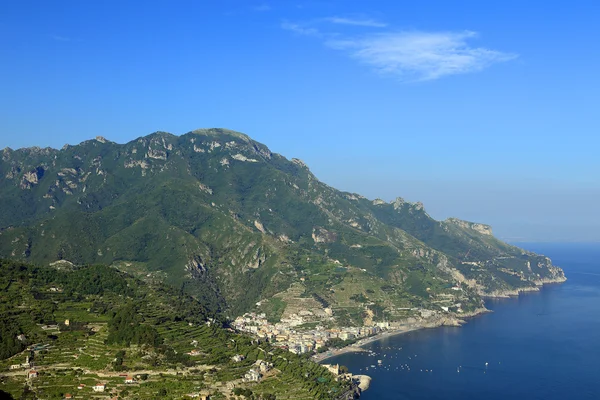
(83, 327)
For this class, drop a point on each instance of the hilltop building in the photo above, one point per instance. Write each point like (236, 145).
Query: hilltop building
(252, 376)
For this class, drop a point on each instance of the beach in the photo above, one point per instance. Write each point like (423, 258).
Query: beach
(427, 323)
(357, 347)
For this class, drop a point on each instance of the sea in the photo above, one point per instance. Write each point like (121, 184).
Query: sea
(540, 345)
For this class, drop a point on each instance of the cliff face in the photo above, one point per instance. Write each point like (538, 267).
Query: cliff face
(220, 215)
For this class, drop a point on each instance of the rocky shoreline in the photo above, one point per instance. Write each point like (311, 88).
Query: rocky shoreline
(437, 321)
(504, 294)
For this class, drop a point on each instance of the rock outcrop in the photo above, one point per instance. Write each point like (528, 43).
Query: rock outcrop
(480, 228)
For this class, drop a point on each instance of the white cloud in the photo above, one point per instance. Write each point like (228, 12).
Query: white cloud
(367, 22)
(307, 28)
(421, 56)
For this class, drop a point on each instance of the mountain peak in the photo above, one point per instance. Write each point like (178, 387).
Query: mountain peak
(36, 150)
(399, 202)
(221, 132)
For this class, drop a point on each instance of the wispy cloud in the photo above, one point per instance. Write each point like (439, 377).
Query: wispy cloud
(366, 22)
(318, 27)
(421, 56)
(300, 29)
(409, 56)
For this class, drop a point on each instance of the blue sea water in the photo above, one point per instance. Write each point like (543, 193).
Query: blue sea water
(543, 345)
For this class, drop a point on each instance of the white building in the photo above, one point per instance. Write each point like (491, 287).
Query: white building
(252, 376)
(263, 366)
(99, 388)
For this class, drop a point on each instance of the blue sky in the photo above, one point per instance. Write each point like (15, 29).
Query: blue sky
(487, 111)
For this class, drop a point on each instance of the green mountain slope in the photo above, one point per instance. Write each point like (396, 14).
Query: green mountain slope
(232, 223)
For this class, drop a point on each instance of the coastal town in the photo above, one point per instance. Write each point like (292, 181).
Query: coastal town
(287, 335)
(291, 333)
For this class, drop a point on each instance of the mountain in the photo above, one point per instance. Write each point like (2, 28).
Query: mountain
(240, 228)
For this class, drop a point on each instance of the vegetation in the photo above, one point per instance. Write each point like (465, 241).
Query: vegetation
(137, 328)
(126, 327)
(9, 344)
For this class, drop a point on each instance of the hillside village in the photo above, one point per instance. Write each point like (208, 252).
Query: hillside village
(291, 333)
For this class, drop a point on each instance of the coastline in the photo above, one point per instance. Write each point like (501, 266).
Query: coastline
(539, 284)
(450, 320)
(357, 347)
